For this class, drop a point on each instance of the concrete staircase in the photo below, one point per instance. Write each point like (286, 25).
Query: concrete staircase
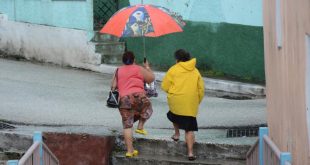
(110, 48)
(13, 146)
(154, 152)
(212, 147)
(10, 155)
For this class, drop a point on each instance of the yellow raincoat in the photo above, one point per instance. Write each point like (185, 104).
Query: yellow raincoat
(185, 88)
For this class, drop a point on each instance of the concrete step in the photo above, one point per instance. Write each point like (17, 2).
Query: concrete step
(111, 52)
(99, 37)
(111, 59)
(2, 162)
(110, 47)
(13, 146)
(120, 159)
(202, 150)
(14, 142)
(11, 155)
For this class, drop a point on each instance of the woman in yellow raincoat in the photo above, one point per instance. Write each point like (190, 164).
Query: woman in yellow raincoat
(185, 89)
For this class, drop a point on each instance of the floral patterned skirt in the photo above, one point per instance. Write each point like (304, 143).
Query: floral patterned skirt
(134, 107)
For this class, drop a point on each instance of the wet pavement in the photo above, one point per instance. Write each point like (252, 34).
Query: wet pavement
(43, 94)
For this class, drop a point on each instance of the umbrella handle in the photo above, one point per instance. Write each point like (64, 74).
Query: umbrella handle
(144, 60)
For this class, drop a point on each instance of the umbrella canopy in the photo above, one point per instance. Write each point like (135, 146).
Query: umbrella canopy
(143, 20)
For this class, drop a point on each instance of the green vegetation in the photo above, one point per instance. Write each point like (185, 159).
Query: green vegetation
(222, 75)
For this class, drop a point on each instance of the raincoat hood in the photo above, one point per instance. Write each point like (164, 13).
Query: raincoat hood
(188, 65)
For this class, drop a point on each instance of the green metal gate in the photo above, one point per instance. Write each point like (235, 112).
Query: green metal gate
(103, 10)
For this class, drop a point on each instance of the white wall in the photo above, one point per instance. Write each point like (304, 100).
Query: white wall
(48, 44)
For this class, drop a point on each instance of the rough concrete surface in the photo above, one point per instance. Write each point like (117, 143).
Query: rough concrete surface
(50, 95)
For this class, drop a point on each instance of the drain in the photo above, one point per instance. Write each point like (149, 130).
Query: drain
(5, 126)
(242, 132)
(235, 97)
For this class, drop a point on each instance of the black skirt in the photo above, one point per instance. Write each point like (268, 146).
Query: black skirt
(187, 123)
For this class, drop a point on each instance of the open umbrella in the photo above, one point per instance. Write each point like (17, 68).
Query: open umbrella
(143, 21)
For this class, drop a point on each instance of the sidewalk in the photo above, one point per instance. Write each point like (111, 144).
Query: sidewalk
(216, 87)
(42, 94)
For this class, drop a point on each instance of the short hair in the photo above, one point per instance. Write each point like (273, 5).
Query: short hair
(128, 58)
(181, 55)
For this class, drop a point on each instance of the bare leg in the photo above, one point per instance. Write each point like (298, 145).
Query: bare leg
(190, 140)
(141, 124)
(176, 131)
(128, 139)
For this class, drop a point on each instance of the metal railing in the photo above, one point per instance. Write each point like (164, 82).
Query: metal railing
(37, 154)
(271, 152)
(48, 157)
(252, 155)
(32, 155)
(265, 152)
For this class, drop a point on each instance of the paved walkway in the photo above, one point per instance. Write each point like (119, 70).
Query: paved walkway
(40, 94)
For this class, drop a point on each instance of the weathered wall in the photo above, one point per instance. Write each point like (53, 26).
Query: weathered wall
(243, 12)
(69, 14)
(46, 43)
(7, 7)
(230, 48)
(225, 35)
(286, 77)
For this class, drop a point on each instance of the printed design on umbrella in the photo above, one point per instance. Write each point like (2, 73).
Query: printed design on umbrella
(138, 24)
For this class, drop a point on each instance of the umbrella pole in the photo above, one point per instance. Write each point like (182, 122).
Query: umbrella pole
(144, 55)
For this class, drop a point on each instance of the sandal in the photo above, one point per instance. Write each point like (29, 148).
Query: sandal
(192, 158)
(175, 139)
(130, 155)
(141, 131)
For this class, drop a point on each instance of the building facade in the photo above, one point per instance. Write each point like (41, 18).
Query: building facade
(225, 36)
(55, 31)
(287, 65)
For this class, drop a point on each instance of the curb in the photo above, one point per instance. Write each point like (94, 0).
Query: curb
(215, 87)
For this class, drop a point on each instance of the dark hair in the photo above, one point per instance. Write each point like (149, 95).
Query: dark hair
(181, 55)
(128, 58)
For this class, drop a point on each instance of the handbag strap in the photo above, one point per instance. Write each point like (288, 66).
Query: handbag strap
(116, 78)
(114, 98)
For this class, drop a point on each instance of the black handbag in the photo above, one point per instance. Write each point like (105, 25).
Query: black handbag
(112, 100)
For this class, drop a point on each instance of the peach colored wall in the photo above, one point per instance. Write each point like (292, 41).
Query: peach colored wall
(285, 77)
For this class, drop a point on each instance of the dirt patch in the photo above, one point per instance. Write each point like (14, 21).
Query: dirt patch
(80, 149)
